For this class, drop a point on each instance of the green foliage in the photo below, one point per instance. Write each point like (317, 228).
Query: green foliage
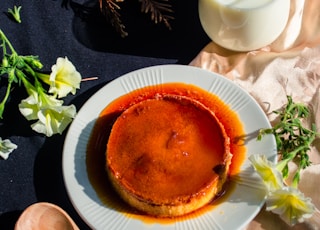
(292, 138)
(15, 13)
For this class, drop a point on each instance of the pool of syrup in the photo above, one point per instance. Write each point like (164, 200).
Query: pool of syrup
(95, 159)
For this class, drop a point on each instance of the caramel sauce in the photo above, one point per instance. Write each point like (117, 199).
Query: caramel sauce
(96, 148)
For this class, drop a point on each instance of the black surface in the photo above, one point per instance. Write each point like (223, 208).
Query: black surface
(49, 29)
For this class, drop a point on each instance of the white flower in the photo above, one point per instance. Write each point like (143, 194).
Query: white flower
(52, 116)
(288, 202)
(54, 120)
(271, 177)
(64, 78)
(6, 147)
(292, 206)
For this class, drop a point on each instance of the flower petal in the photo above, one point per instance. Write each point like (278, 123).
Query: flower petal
(267, 171)
(292, 206)
(6, 147)
(53, 120)
(64, 78)
(29, 107)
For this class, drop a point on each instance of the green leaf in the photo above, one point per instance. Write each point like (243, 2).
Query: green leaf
(15, 13)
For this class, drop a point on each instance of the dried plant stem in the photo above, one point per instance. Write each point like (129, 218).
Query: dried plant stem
(160, 11)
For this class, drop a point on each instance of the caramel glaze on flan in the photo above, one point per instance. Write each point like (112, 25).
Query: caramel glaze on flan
(168, 156)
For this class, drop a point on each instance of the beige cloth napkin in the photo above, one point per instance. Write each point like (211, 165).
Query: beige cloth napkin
(289, 66)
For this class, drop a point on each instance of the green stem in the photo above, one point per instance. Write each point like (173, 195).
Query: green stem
(27, 85)
(281, 164)
(4, 100)
(7, 42)
(296, 178)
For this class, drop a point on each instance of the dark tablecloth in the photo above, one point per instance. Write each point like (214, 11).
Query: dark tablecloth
(51, 29)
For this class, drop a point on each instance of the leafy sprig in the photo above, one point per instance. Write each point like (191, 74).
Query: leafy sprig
(292, 138)
(15, 13)
(15, 67)
(293, 144)
(43, 105)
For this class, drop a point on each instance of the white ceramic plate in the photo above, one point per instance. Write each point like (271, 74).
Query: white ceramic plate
(239, 208)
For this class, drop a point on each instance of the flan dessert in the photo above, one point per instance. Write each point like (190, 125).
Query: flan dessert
(168, 156)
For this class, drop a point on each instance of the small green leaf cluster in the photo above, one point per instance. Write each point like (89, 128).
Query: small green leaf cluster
(15, 13)
(292, 138)
(16, 68)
